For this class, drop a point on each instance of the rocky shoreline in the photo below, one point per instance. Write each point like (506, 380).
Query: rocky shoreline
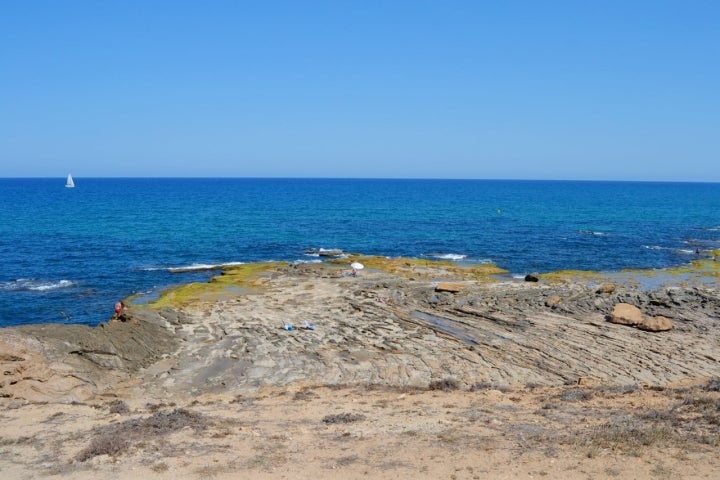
(402, 326)
(380, 328)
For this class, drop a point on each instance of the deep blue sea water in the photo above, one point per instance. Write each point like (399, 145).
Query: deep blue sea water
(67, 255)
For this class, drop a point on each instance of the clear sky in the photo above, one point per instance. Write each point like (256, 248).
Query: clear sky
(603, 90)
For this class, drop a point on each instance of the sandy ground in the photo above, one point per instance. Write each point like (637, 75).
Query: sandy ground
(396, 380)
(306, 432)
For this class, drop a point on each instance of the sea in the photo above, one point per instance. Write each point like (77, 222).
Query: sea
(68, 254)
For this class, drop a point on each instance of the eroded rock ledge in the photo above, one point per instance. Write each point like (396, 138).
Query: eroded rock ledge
(379, 328)
(66, 363)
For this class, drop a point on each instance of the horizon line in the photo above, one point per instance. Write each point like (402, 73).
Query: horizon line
(161, 177)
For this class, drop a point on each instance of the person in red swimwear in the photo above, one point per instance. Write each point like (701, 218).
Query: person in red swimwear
(118, 309)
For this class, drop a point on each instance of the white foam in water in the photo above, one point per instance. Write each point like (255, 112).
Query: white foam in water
(35, 285)
(153, 269)
(449, 256)
(196, 267)
(52, 285)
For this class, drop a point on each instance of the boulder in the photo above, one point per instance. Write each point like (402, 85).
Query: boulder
(448, 287)
(626, 314)
(553, 301)
(532, 277)
(656, 324)
(606, 288)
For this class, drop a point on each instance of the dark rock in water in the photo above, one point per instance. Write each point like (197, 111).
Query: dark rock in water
(532, 277)
(329, 253)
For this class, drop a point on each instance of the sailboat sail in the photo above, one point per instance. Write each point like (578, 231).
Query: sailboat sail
(70, 183)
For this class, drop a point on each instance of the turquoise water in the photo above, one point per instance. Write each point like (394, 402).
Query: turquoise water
(67, 255)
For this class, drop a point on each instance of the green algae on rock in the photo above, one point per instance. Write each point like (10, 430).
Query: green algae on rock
(420, 268)
(703, 271)
(569, 276)
(232, 280)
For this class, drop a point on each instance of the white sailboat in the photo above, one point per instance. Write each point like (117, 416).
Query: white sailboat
(70, 183)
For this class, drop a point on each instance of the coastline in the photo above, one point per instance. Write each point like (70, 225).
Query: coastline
(75, 260)
(406, 336)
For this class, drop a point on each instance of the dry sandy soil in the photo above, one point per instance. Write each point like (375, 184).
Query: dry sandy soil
(398, 378)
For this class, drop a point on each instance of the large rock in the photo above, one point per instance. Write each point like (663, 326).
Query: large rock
(656, 324)
(448, 287)
(72, 363)
(29, 376)
(553, 301)
(626, 314)
(605, 288)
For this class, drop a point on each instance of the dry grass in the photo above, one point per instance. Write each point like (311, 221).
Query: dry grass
(575, 395)
(446, 385)
(115, 439)
(343, 418)
(630, 433)
(594, 423)
(119, 407)
(104, 444)
(305, 395)
(689, 423)
(713, 385)
(480, 386)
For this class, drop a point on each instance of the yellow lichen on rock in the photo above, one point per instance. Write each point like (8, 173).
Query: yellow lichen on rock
(420, 268)
(248, 276)
(569, 276)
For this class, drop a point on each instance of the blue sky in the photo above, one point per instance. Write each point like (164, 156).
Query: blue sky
(604, 90)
